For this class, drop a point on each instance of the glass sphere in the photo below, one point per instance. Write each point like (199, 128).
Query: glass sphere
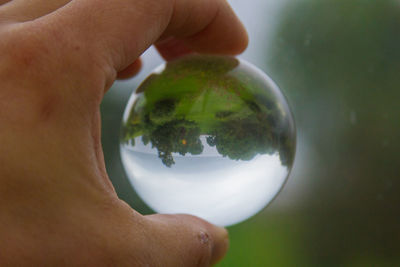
(210, 136)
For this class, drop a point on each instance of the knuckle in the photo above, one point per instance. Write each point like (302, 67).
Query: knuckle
(23, 47)
(38, 62)
(25, 95)
(39, 48)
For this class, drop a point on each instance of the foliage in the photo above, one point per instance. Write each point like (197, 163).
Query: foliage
(237, 114)
(176, 136)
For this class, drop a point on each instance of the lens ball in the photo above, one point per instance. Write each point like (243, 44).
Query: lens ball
(211, 136)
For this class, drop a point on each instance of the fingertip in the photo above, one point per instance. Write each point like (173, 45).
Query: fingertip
(221, 244)
(225, 34)
(242, 43)
(219, 237)
(213, 29)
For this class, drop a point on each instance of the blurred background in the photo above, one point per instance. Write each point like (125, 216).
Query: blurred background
(338, 63)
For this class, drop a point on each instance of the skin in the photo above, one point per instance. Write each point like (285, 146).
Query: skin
(58, 58)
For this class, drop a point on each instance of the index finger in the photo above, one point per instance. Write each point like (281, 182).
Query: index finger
(125, 29)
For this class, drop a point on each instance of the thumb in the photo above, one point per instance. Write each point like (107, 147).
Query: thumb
(184, 240)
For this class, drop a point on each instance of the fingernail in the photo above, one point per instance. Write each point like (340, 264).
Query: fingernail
(221, 244)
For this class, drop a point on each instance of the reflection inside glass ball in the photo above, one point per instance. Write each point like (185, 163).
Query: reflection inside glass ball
(210, 136)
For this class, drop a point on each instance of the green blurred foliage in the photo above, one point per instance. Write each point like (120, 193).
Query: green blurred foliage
(339, 63)
(269, 240)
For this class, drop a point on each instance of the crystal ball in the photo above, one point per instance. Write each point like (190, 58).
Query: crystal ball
(211, 136)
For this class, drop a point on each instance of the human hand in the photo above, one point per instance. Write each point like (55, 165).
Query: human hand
(57, 205)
